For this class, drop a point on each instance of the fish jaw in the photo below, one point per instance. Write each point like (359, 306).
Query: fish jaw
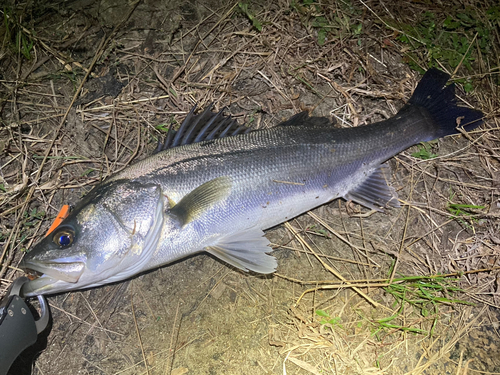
(66, 269)
(53, 275)
(45, 285)
(48, 285)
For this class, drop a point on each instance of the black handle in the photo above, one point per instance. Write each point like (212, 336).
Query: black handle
(18, 331)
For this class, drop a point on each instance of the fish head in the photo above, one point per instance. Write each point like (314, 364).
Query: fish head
(109, 236)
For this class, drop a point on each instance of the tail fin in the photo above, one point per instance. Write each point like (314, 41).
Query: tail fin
(440, 101)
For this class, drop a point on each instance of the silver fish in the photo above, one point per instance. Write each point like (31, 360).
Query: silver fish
(217, 193)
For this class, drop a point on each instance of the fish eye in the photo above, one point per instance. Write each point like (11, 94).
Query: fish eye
(64, 237)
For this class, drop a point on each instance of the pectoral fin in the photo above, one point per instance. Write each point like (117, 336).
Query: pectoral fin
(201, 199)
(246, 251)
(374, 192)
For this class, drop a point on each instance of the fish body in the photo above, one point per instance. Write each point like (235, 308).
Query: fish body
(218, 194)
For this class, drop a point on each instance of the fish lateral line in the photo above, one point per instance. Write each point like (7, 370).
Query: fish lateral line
(289, 182)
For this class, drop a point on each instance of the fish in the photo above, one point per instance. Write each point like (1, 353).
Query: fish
(215, 186)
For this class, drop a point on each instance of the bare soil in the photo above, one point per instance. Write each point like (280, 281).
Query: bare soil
(149, 63)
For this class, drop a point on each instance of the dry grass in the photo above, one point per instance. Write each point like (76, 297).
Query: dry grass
(62, 132)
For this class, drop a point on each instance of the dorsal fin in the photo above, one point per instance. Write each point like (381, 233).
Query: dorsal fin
(202, 127)
(303, 119)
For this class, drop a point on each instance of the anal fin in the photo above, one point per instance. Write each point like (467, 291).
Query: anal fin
(375, 192)
(246, 251)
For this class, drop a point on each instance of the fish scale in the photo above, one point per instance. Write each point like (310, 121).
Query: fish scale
(283, 166)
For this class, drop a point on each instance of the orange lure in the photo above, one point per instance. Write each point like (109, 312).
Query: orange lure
(63, 214)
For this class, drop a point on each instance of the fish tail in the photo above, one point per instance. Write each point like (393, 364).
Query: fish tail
(440, 101)
(432, 112)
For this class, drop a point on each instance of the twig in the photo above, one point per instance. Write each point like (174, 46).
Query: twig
(138, 333)
(337, 274)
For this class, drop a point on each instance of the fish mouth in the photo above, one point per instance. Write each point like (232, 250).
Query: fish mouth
(41, 285)
(68, 271)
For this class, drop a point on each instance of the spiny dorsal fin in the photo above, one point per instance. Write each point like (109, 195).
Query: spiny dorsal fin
(201, 199)
(202, 127)
(246, 251)
(374, 192)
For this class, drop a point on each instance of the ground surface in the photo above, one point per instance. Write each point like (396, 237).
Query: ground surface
(151, 62)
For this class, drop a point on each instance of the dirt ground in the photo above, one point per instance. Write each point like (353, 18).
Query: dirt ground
(148, 63)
